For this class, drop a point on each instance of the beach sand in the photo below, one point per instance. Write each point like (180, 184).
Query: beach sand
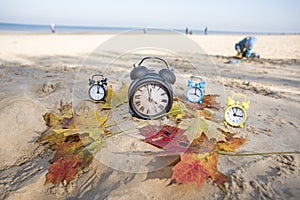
(37, 71)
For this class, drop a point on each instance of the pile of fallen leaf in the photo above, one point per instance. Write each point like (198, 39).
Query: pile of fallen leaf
(77, 134)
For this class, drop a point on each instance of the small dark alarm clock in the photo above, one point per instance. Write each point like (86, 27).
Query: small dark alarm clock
(97, 90)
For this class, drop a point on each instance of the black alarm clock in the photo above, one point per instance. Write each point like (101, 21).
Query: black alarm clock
(97, 90)
(150, 94)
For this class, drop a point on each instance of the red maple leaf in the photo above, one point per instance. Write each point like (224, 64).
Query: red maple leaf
(68, 160)
(166, 137)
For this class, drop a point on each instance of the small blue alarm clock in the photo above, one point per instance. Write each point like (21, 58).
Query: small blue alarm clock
(195, 91)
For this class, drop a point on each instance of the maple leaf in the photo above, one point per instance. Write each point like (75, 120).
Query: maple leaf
(176, 110)
(205, 113)
(67, 162)
(196, 126)
(54, 119)
(75, 137)
(231, 144)
(196, 168)
(180, 111)
(52, 138)
(199, 162)
(169, 138)
(202, 145)
(208, 101)
(115, 99)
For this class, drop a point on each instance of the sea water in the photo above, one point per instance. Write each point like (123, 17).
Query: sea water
(33, 28)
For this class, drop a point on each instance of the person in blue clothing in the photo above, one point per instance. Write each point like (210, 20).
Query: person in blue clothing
(245, 46)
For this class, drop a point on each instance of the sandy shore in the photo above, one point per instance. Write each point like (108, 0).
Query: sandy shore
(39, 70)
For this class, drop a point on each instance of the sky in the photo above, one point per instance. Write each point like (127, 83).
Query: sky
(223, 15)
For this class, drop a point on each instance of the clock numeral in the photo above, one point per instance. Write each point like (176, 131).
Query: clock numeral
(138, 103)
(161, 107)
(153, 86)
(164, 100)
(148, 111)
(137, 96)
(163, 94)
(142, 108)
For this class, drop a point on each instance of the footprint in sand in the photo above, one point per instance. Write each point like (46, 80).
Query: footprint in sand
(48, 88)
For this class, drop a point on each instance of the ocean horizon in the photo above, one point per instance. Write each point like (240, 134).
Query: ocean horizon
(65, 29)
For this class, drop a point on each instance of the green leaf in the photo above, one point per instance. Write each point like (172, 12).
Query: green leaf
(115, 99)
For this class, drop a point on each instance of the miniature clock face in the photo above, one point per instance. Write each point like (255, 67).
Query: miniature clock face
(150, 99)
(194, 94)
(97, 92)
(235, 115)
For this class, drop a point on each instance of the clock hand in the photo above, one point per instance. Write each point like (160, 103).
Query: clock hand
(154, 101)
(148, 90)
(98, 87)
(149, 93)
(239, 116)
(234, 111)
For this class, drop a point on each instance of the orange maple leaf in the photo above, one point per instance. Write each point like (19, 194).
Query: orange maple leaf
(199, 162)
(196, 169)
(231, 144)
(208, 101)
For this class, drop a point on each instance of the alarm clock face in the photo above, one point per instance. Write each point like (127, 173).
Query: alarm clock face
(97, 92)
(194, 94)
(235, 115)
(150, 99)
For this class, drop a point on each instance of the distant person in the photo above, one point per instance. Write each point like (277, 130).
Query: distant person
(245, 46)
(52, 28)
(191, 32)
(205, 31)
(186, 31)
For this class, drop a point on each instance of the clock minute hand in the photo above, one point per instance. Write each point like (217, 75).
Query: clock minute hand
(148, 90)
(234, 111)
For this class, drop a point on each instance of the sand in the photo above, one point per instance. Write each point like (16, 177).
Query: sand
(37, 71)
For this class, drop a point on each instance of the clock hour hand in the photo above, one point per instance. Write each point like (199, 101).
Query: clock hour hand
(195, 93)
(98, 91)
